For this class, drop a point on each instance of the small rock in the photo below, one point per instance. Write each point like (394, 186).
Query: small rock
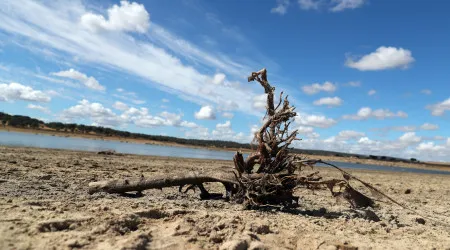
(260, 229)
(216, 239)
(192, 239)
(75, 243)
(138, 242)
(45, 177)
(234, 245)
(73, 226)
(408, 191)
(370, 215)
(256, 245)
(420, 221)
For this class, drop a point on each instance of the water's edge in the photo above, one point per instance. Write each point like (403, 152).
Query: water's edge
(92, 145)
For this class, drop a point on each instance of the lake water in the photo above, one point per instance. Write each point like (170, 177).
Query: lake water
(56, 142)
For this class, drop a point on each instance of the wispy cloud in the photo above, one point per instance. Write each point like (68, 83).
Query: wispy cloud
(128, 96)
(62, 32)
(281, 8)
(341, 5)
(39, 107)
(87, 81)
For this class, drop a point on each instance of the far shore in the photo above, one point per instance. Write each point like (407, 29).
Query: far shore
(421, 165)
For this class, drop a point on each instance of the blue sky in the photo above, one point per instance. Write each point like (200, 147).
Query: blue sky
(366, 76)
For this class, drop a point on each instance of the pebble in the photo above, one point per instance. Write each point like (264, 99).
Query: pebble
(420, 221)
(255, 245)
(260, 229)
(234, 245)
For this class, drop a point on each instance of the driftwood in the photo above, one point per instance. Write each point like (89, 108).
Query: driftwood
(267, 176)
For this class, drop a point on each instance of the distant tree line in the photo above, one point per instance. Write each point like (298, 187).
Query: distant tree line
(20, 121)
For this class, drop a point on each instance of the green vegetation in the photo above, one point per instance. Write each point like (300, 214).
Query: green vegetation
(20, 121)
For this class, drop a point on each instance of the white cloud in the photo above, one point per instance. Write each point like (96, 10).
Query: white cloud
(333, 5)
(172, 119)
(219, 79)
(425, 126)
(317, 87)
(129, 96)
(126, 17)
(120, 106)
(93, 111)
(383, 58)
(226, 125)
(165, 100)
(309, 4)
(396, 128)
(89, 82)
(350, 134)
(366, 113)
(329, 101)
(439, 109)
(260, 102)
(353, 84)
(429, 126)
(307, 131)
(410, 138)
(346, 4)
(318, 121)
(147, 57)
(59, 81)
(430, 147)
(224, 131)
(198, 133)
(281, 8)
(426, 91)
(366, 141)
(141, 117)
(38, 107)
(205, 113)
(16, 91)
(187, 124)
(406, 146)
(372, 92)
(228, 115)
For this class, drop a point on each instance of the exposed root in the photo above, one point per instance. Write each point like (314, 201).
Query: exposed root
(267, 176)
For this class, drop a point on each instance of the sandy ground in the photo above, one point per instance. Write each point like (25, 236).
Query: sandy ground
(44, 205)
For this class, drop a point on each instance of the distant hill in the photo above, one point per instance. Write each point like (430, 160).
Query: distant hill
(20, 121)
